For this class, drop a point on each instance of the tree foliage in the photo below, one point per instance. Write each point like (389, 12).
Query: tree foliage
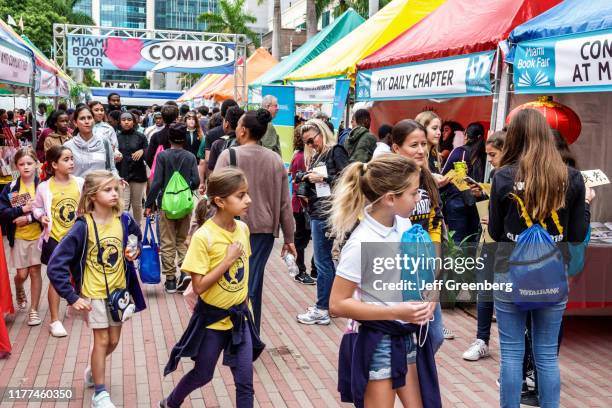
(39, 16)
(231, 18)
(360, 6)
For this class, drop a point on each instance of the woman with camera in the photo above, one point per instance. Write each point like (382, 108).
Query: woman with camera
(325, 160)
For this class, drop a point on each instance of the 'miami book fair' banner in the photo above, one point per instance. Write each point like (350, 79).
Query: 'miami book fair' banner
(467, 75)
(285, 117)
(572, 63)
(139, 54)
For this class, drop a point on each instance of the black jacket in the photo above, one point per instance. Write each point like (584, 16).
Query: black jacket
(335, 160)
(213, 135)
(8, 213)
(193, 143)
(129, 169)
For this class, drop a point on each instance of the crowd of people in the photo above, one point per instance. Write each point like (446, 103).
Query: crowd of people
(106, 169)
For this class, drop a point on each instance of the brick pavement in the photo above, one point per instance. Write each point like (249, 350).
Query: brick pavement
(298, 368)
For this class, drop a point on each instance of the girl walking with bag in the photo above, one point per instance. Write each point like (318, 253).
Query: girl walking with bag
(218, 261)
(379, 352)
(23, 231)
(98, 253)
(55, 207)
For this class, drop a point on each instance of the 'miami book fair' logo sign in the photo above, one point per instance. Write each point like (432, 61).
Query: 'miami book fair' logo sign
(573, 63)
(137, 54)
(467, 75)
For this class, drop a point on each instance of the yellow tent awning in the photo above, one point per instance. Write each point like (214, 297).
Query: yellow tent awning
(383, 27)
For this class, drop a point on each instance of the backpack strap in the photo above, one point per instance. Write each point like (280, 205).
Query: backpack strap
(107, 154)
(525, 215)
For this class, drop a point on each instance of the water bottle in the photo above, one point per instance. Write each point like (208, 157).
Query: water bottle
(291, 265)
(132, 245)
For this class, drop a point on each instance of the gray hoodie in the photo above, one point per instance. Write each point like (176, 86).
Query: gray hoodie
(91, 155)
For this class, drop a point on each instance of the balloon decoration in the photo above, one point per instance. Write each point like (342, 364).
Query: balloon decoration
(557, 115)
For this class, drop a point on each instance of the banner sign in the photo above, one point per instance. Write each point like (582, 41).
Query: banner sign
(467, 75)
(140, 54)
(341, 94)
(285, 117)
(46, 83)
(317, 91)
(572, 63)
(15, 67)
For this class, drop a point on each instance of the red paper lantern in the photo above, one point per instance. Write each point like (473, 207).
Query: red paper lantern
(557, 115)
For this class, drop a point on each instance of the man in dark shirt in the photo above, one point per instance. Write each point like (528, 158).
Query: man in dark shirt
(230, 122)
(169, 115)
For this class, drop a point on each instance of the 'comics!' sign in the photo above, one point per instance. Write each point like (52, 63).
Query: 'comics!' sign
(138, 54)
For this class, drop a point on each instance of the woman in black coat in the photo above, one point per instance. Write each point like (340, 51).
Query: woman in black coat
(132, 168)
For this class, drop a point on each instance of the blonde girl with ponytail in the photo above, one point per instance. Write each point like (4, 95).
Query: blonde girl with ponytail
(381, 195)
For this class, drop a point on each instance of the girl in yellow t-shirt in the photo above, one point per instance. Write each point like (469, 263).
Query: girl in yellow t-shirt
(218, 261)
(23, 231)
(97, 254)
(55, 206)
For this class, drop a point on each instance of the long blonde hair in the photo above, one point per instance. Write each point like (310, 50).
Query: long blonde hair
(363, 183)
(94, 182)
(321, 128)
(425, 118)
(530, 145)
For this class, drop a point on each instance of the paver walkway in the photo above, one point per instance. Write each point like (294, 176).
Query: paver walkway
(298, 368)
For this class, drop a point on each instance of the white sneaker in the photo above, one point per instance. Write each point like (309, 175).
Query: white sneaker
(102, 400)
(477, 350)
(314, 315)
(57, 329)
(88, 377)
(448, 334)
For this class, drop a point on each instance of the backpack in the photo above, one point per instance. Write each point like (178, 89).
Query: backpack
(536, 268)
(416, 244)
(177, 201)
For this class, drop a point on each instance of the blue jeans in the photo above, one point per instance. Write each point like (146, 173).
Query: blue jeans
(261, 247)
(545, 325)
(326, 271)
(461, 219)
(435, 329)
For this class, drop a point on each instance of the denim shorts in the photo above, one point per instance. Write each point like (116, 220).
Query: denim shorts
(380, 364)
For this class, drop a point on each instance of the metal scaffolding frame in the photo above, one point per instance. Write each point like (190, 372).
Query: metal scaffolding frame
(61, 31)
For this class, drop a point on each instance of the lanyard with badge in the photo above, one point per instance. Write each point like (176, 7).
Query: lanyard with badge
(319, 167)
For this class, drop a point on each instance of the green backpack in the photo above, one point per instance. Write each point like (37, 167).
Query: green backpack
(177, 201)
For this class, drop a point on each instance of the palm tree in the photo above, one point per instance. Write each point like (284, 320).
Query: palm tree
(311, 18)
(360, 6)
(231, 18)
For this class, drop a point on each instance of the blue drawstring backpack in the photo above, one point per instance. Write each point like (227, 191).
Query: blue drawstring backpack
(150, 270)
(536, 269)
(417, 245)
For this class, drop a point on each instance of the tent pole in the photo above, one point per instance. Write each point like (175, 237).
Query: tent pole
(33, 102)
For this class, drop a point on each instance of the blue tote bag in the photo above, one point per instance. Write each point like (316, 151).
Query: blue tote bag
(150, 270)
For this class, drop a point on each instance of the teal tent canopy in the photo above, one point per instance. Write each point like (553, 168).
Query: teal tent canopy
(340, 27)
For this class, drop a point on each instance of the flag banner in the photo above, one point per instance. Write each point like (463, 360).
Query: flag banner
(572, 63)
(140, 54)
(285, 117)
(341, 94)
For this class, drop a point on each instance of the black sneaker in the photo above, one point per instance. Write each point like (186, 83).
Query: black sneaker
(304, 279)
(163, 403)
(183, 282)
(170, 285)
(530, 399)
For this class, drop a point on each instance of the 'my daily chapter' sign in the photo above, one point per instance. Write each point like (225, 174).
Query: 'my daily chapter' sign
(467, 75)
(577, 63)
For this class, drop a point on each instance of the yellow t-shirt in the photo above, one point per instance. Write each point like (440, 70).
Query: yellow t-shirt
(64, 206)
(31, 231)
(207, 249)
(111, 241)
